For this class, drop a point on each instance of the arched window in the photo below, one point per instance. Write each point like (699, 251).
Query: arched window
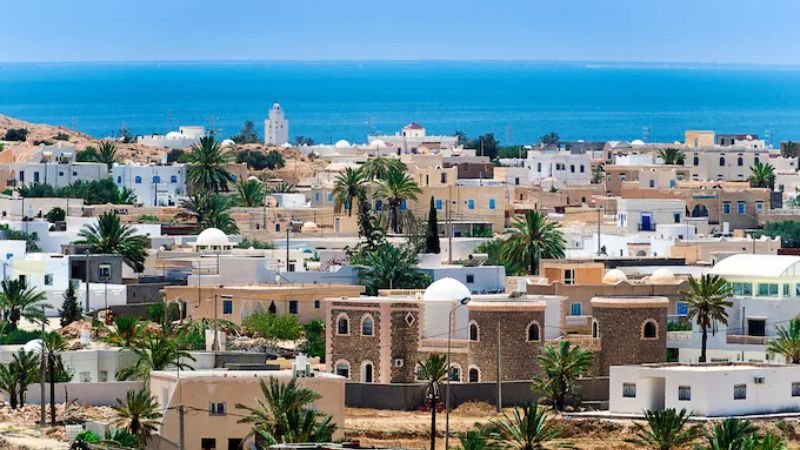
(272, 308)
(722, 161)
(595, 329)
(474, 332)
(367, 372)
(650, 329)
(367, 326)
(534, 333)
(119, 180)
(696, 161)
(156, 179)
(474, 375)
(342, 368)
(173, 179)
(137, 180)
(740, 161)
(343, 325)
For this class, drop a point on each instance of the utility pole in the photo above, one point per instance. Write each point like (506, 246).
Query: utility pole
(86, 310)
(288, 227)
(181, 437)
(598, 231)
(215, 345)
(499, 382)
(42, 375)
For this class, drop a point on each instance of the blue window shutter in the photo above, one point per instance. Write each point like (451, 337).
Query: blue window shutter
(471, 204)
(438, 204)
(491, 203)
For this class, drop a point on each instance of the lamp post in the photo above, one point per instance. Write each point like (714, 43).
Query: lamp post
(461, 303)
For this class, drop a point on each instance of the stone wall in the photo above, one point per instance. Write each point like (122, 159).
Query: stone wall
(406, 323)
(517, 355)
(621, 337)
(355, 348)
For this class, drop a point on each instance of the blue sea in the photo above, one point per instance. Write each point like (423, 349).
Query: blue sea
(328, 101)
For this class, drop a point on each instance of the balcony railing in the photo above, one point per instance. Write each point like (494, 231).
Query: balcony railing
(748, 340)
(577, 321)
(679, 336)
(650, 227)
(587, 341)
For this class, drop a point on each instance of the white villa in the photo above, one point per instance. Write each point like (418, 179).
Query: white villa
(185, 137)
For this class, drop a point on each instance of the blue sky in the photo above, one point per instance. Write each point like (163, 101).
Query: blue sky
(714, 31)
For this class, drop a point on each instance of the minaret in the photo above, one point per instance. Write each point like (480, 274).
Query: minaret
(276, 127)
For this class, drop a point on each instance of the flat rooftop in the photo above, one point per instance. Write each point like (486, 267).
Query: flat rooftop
(226, 373)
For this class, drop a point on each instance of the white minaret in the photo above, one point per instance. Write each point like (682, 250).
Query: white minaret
(276, 127)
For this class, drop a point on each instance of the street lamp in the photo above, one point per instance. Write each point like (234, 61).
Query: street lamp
(453, 309)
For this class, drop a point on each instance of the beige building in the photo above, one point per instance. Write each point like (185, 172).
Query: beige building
(234, 303)
(699, 138)
(209, 398)
(711, 249)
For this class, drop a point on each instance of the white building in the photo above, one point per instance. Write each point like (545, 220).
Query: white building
(479, 279)
(643, 214)
(712, 390)
(558, 169)
(185, 137)
(56, 174)
(276, 127)
(413, 139)
(153, 185)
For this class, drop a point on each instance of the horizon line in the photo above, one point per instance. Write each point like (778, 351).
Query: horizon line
(417, 61)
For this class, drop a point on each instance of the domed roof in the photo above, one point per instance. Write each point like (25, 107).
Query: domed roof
(174, 135)
(638, 142)
(309, 226)
(212, 236)
(614, 276)
(253, 178)
(341, 144)
(661, 275)
(377, 143)
(446, 289)
(228, 143)
(286, 145)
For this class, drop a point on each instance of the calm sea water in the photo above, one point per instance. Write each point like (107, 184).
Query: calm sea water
(344, 100)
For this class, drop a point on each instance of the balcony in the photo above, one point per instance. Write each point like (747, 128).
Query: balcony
(577, 323)
(746, 340)
(586, 341)
(647, 227)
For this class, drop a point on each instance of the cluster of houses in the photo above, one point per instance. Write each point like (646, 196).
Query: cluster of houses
(636, 229)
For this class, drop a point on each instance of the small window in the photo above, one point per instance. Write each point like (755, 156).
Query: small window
(443, 178)
(740, 161)
(491, 203)
(208, 444)
(474, 375)
(104, 271)
(629, 390)
(740, 392)
(438, 203)
(696, 161)
(760, 207)
(85, 377)
(474, 332)
(741, 208)
(786, 290)
(119, 179)
(575, 309)
(156, 179)
(343, 326)
(539, 167)
(470, 278)
(216, 408)
(293, 306)
(343, 370)
(227, 307)
(682, 308)
(48, 279)
(742, 289)
(722, 161)
(676, 217)
(173, 179)
(367, 326)
(767, 289)
(650, 330)
(102, 376)
(137, 180)
(726, 207)
(684, 393)
(569, 276)
(583, 168)
(455, 374)
(652, 183)
(533, 332)
(572, 168)
(316, 304)
(330, 197)
(471, 204)
(795, 389)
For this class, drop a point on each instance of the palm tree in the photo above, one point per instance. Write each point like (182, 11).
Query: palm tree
(155, 352)
(397, 187)
(762, 175)
(8, 383)
(107, 153)
(207, 162)
(671, 156)
(528, 428)
(789, 149)
(787, 342)
(138, 414)
(559, 369)
(768, 441)
(346, 189)
(53, 345)
(598, 173)
(250, 193)
(549, 139)
(473, 440)
(26, 365)
(284, 415)
(537, 238)
(730, 434)
(378, 168)
(128, 331)
(665, 430)
(18, 300)
(707, 299)
(390, 267)
(111, 237)
(433, 370)
(210, 211)
(281, 188)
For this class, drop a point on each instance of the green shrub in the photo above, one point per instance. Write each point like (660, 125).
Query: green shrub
(18, 337)
(155, 313)
(16, 134)
(315, 339)
(87, 436)
(272, 326)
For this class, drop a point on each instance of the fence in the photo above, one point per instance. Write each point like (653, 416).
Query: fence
(409, 396)
(94, 394)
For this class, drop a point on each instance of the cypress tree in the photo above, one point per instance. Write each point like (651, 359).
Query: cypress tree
(72, 310)
(432, 236)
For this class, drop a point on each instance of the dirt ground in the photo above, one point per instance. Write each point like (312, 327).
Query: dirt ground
(410, 429)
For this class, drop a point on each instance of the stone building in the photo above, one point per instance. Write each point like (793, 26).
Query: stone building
(381, 339)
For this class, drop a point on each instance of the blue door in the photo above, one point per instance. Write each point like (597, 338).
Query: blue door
(646, 222)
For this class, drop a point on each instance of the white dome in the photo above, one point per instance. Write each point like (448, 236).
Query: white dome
(309, 226)
(660, 276)
(174, 135)
(253, 178)
(637, 142)
(212, 236)
(377, 143)
(286, 145)
(341, 144)
(446, 289)
(228, 143)
(614, 276)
